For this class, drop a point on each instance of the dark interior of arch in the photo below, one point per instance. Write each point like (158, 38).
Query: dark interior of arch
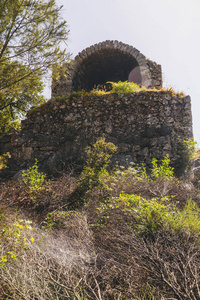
(105, 65)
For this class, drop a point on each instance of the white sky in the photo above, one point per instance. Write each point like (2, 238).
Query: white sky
(165, 31)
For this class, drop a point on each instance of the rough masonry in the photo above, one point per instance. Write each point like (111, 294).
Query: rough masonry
(107, 61)
(144, 125)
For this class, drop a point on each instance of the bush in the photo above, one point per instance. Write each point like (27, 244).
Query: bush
(124, 87)
(33, 178)
(99, 91)
(145, 216)
(162, 171)
(149, 216)
(98, 158)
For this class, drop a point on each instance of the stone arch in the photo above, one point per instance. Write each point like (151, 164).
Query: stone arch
(108, 61)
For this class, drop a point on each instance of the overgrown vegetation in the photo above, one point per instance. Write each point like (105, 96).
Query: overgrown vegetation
(124, 87)
(130, 234)
(34, 179)
(120, 87)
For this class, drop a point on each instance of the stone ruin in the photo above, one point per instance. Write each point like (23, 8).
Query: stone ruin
(107, 61)
(147, 124)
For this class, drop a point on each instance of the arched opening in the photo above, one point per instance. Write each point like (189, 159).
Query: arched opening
(105, 65)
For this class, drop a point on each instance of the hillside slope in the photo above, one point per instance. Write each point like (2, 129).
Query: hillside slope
(117, 234)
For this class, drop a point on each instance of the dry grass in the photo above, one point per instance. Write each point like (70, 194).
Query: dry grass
(75, 256)
(54, 196)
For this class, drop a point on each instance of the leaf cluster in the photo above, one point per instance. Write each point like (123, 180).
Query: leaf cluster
(31, 33)
(33, 178)
(164, 170)
(124, 87)
(98, 158)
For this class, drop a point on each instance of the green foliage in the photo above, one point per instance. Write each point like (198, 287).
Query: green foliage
(13, 239)
(98, 158)
(121, 178)
(162, 171)
(8, 123)
(16, 99)
(98, 91)
(31, 33)
(124, 87)
(188, 219)
(149, 216)
(190, 149)
(33, 178)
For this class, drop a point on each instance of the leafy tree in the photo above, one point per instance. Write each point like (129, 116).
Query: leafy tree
(31, 32)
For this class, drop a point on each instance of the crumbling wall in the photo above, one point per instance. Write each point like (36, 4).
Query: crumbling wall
(156, 74)
(143, 125)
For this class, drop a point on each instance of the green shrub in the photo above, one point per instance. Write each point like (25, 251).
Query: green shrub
(188, 219)
(98, 158)
(188, 152)
(98, 91)
(149, 216)
(33, 178)
(162, 171)
(121, 177)
(124, 87)
(191, 149)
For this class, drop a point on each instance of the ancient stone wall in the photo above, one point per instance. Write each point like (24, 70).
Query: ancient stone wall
(156, 74)
(143, 125)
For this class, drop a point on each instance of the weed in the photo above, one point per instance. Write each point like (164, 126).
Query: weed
(191, 149)
(33, 178)
(124, 87)
(149, 216)
(98, 91)
(162, 171)
(98, 158)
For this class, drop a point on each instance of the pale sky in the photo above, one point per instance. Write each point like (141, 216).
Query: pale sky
(165, 31)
